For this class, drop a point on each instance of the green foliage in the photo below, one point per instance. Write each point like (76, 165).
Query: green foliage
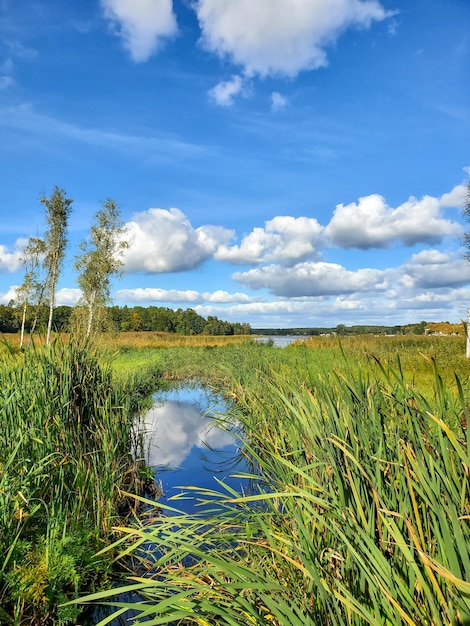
(47, 573)
(65, 453)
(137, 318)
(9, 322)
(58, 208)
(30, 293)
(100, 259)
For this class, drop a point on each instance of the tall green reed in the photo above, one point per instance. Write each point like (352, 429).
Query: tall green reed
(65, 442)
(360, 511)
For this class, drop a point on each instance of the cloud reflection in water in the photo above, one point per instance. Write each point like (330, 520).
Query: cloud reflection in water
(174, 427)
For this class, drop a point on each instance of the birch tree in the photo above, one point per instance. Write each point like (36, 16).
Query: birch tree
(100, 259)
(30, 292)
(58, 208)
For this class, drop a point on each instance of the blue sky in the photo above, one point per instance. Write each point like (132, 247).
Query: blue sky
(283, 163)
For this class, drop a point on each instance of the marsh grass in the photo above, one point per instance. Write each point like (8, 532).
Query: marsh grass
(65, 442)
(150, 339)
(360, 510)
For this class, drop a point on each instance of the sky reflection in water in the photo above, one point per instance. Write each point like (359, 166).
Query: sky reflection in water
(184, 445)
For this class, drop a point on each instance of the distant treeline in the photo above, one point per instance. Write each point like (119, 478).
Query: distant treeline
(341, 329)
(137, 318)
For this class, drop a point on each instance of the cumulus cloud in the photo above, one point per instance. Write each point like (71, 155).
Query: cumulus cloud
(223, 297)
(311, 279)
(436, 305)
(284, 239)
(224, 93)
(435, 269)
(7, 297)
(68, 297)
(368, 223)
(174, 427)
(280, 36)
(163, 240)
(454, 198)
(64, 297)
(280, 313)
(141, 24)
(371, 223)
(10, 260)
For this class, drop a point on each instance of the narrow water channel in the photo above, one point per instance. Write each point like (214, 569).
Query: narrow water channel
(185, 446)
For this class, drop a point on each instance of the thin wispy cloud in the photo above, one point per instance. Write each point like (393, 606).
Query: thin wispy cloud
(150, 146)
(278, 101)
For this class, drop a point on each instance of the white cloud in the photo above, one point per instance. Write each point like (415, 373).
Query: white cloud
(174, 427)
(371, 223)
(151, 294)
(163, 240)
(284, 239)
(360, 308)
(432, 269)
(454, 198)
(224, 93)
(311, 279)
(278, 101)
(68, 297)
(349, 303)
(223, 297)
(10, 261)
(6, 298)
(64, 297)
(142, 24)
(280, 36)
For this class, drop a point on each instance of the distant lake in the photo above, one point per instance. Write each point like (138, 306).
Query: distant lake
(281, 341)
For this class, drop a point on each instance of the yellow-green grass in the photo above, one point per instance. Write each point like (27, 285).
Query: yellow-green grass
(193, 356)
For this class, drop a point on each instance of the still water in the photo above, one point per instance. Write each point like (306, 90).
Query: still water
(281, 341)
(185, 445)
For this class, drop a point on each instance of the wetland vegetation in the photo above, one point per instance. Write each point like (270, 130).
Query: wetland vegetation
(359, 458)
